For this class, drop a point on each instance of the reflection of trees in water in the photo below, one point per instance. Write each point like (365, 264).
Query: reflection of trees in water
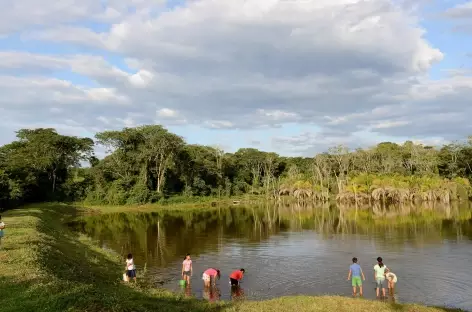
(167, 236)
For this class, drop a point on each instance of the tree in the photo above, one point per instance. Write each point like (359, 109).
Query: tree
(149, 163)
(150, 148)
(157, 150)
(42, 155)
(342, 162)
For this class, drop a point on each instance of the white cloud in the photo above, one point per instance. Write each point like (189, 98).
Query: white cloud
(461, 11)
(346, 66)
(166, 112)
(390, 124)
(219, 124)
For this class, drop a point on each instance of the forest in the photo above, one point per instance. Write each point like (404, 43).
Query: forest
(149, 164)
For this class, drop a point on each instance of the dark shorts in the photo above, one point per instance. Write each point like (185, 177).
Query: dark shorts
(131, 273)
(380, 283)
(187, 273)
(233, 282)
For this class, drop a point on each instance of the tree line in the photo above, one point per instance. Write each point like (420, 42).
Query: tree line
(149, 164)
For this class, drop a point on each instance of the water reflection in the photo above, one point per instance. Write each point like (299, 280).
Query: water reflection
(211, 294)
(237, 293)
(187, 290)
(301, 249)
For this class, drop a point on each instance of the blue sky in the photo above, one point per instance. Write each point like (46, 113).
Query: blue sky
(294, 77)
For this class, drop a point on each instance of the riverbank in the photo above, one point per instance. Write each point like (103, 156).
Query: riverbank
(46, 267)
(176, 203)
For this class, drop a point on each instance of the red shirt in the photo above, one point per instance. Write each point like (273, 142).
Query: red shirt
(211, 272)
(237, 275)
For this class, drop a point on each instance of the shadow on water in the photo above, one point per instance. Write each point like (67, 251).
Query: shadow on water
(81, 278)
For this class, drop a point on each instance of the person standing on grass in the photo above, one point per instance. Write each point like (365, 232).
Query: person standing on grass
(355, 272)
(2, 226)
(187, 269)
(130, 268)
(379, 274)
(236, 277)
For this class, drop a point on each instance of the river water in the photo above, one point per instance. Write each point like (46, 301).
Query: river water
(294, 249)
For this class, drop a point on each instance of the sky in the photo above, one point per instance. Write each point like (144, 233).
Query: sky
(289, 76)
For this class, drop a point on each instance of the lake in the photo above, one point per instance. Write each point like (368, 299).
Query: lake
(290, 249)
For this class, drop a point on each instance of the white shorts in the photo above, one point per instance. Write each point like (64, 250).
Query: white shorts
(206, 277)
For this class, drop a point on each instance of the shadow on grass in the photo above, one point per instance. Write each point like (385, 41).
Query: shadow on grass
(405, 308)
(83, 277)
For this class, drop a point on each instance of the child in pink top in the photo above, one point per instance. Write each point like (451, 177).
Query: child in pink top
(187, 268)
(209, 275)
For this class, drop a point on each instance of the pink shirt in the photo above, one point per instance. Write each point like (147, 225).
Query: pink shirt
(187, 264)
(211, 272)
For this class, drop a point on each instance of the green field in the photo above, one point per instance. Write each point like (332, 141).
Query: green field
(46, 267)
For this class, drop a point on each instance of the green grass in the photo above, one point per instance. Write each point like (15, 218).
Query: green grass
(46, 267)
(182, 203)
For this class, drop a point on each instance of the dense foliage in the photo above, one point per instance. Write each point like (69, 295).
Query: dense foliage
(150, 164)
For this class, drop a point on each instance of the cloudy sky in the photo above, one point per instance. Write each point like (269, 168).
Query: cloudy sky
(290, 76)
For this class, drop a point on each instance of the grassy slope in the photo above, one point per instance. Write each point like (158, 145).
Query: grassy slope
(46, 267)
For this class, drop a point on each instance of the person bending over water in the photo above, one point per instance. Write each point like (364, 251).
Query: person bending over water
(236, 277)
(379, 274)
(210, 275)
(355, 272)
(187, 269)
(392, 280)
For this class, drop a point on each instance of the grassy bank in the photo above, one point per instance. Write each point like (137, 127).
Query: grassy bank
(176, 203)
(46, 267)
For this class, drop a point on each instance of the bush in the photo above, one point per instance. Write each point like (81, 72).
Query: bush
(139, 194)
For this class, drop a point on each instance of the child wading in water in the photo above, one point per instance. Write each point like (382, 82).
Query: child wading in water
(380, 269)
(130, 268)
(355, 272)
(210, 275)
(236, 277)
(187, 269)
(392, 280)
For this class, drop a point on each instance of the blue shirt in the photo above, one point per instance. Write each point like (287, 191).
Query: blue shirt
(355, 269)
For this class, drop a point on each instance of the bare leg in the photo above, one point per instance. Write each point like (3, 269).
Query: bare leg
(354, 290)
(360, 291)
(383, 292)
(377, 291)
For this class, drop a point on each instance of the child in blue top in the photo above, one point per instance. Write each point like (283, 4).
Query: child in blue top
(355, 272)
